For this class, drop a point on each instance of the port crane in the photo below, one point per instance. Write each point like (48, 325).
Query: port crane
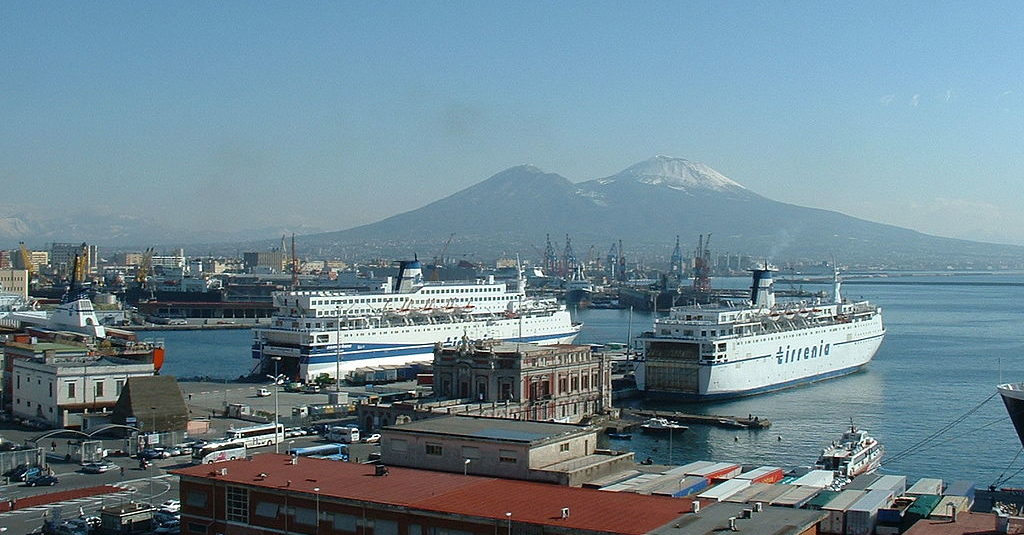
(435, 274)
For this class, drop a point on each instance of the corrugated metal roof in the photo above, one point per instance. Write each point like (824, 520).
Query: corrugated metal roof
(492, 428)
(535, 503)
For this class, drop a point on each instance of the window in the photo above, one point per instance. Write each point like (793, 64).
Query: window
(99, 389)
(507, 456)
(385, 527)
(343, 522)
(118, 385)
(51, 390)
(433, 449)
(305, 516)
(18, 378)
(71, 390)
(563, 447)
(237, 504)
(266, 509)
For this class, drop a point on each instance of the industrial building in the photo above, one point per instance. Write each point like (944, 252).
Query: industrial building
(538, 451)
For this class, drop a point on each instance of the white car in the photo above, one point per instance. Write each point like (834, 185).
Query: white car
(372, 439)
(262, 392)
(171, 506)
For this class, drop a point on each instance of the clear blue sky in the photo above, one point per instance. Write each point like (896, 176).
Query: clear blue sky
(245, 114)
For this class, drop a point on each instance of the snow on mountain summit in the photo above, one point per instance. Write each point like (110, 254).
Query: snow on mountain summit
(676, 173)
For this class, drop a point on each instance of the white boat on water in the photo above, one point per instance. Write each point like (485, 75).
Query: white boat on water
(333, 331)
(855, 453)
(730, 350)
(662, 425)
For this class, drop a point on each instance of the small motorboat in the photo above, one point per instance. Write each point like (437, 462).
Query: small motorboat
(620, 436)
(661, 425)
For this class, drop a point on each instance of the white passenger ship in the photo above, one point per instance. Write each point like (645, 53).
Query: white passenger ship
(723, 351)
(317, 332)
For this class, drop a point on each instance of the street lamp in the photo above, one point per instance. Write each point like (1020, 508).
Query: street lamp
(154, 420)
(509, 517)
(465, 466)
(317, 491)
(277, 388)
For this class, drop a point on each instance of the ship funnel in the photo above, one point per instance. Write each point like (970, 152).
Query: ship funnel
(837, 297)
(410, 275)
(762, 292)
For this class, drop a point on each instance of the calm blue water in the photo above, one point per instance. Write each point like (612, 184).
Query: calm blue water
(942, 356)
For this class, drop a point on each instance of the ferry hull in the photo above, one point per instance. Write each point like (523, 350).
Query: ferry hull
(767, 371)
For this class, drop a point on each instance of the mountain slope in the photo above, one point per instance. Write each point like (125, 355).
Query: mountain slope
(646, 205)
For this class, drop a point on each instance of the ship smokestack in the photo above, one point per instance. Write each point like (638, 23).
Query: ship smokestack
(762, 292)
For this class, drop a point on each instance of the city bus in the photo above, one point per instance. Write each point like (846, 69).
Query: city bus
(322, 449)
(257, 435)
(218, 451)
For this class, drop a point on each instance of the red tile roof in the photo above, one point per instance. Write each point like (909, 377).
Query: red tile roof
(481, 497)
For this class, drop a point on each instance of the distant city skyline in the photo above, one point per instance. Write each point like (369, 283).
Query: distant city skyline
(239, 116)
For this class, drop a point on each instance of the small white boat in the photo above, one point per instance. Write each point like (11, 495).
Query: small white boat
(661, 425)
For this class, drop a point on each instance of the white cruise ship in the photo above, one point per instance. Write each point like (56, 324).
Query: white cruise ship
(327, 331)
(720, 351)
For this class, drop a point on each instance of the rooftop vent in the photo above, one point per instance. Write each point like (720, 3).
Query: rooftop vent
(732, 524)
(565, 512)
(380, 470)
(758, 507)
(223, 471)
(696, 506)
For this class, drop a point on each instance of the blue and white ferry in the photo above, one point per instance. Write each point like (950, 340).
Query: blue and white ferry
(333, 332)
(705, 352)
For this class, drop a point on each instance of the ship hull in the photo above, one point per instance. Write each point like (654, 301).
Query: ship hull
(402, 345)
(767, 366)
(1013, 398)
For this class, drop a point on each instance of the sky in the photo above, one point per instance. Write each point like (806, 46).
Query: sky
(238, 115)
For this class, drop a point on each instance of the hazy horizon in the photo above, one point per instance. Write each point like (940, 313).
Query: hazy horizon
(331, 116)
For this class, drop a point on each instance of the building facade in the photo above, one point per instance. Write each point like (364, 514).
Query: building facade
(564, 383)
(59, 389)
(14, 281)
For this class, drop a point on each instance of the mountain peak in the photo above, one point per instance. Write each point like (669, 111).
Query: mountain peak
(676, 173)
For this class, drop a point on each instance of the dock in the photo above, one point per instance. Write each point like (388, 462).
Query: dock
(732, 422)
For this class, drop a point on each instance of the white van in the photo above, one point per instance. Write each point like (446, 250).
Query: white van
(344, 435)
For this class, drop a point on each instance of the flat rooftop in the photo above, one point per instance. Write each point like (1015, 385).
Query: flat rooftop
(967, 523)
(469, 496)
(714, 520)
(502, 429)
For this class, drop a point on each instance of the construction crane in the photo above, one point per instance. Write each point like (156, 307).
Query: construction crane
(26, 260)
(702, 265)
(145, 266)
(435, 274)
(295, 266)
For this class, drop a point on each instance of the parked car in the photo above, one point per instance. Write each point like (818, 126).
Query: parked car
(171, 506)
(294, 432)
(98, 468)
(27, 473)
(154, 453)
(312, 389)
(372, 439)
(14, 471)
(262, 392)
(170, 528)
(42, 480)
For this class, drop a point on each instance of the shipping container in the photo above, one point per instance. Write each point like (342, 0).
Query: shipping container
(926, 485)
(897, 484)
(717, 471)
(821, 499)
(744, 495)
(630, 485)
(862, 516)
(921, 508)
(950, 505)
(862, 481)
(835, 522)
(764, 474)
(724, 489)
(796, 497)
(893, 515)
(961, 488)
(815, 478)
(690, 486)
(770, 493)
(612, 479)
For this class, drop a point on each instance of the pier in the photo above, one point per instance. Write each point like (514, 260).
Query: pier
(731, 422)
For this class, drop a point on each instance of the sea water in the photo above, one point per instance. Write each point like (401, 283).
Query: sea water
(946, 347)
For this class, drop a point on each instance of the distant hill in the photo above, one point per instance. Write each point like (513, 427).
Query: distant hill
(647, 205)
